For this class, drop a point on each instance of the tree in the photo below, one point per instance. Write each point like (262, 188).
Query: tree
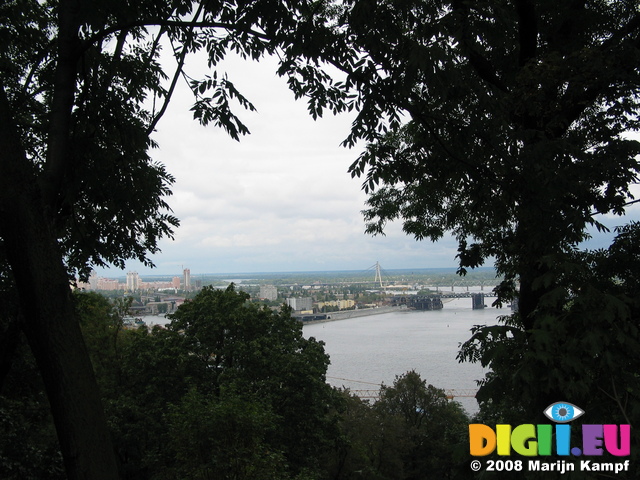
(371, 444)
(81, 91)
(588, 347)
(252, 352)
(229, 389)
(412, 432)
(436, 426)
(216, 437)
(28, 444)
(516, 132)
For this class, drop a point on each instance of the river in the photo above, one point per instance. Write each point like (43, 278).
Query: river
(368, 351)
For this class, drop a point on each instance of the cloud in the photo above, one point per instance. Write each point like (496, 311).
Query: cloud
(280, 199)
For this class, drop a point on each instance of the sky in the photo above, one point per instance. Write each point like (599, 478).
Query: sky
(281, 199)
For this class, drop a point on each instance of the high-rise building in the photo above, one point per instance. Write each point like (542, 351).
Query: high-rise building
(300, 303)
(93, 280)
(186, 279)
(133, 281)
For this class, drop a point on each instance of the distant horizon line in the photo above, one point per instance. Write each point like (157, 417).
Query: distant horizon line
(291, 272)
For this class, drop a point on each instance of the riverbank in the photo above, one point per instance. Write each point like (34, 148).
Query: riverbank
(347, 314)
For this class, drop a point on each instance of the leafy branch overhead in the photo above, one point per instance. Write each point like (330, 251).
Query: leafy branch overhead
(503, 123)
(86, 87)
(83, 86)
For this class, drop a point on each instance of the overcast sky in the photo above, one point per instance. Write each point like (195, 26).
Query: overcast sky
(280, 199)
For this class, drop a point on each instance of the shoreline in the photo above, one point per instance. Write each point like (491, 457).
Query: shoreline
(347, 314)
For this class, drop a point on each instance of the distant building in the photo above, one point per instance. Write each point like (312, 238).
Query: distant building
(268, 292)
(300, 303)
(93, 280)
(186, 279)
(341, 304)
(110, 284)
(133, 281)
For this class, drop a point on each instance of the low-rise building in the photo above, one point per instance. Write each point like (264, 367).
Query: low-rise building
(268, 292)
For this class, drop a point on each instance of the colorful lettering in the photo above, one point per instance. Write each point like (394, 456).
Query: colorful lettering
(619, 449)
(537, 440)
(545, 433)
(563, 439)
(482, 440)
(523, 440)
(503, 432)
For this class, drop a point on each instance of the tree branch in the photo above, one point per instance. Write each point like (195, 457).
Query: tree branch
(527, 30)
(585, 98)
(485, 70)
(176, 76)
(61, 105)
(159, 22)
(626, 204)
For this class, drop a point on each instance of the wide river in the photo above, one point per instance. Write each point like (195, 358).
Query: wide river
(368, 351)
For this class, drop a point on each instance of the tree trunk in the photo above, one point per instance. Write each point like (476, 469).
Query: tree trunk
(50, 324)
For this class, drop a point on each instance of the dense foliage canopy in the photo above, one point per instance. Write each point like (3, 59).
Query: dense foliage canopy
(231, 390)
(504, 123)
(81, 92)
(510, 124)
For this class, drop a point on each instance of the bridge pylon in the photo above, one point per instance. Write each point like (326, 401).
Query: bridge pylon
(378, 277)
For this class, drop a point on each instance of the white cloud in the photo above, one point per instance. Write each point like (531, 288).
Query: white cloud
(280, 199)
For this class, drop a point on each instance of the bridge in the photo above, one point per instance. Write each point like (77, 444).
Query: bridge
(434, 302)
(418, 302)
(465, 294)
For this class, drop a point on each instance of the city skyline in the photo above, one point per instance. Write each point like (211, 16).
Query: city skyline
(281, 199)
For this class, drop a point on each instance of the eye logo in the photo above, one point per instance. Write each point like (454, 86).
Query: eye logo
(563, 412)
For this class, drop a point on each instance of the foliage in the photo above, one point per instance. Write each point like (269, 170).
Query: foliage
(514, 142)
(516, 131)
(585, 346)
(506, 124)
(263, 411)
(412, 432)
(82, 90)
(28, 444)
(102, 323)
(229, 390)
(224, 437)
(115, 91)
(436, 426)
(253, 352)
(371, 444)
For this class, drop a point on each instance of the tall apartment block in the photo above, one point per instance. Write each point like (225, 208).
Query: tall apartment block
(186, 279)
(300, 303)
(133, 281)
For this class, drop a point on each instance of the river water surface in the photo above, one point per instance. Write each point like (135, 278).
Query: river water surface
(368, 351)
